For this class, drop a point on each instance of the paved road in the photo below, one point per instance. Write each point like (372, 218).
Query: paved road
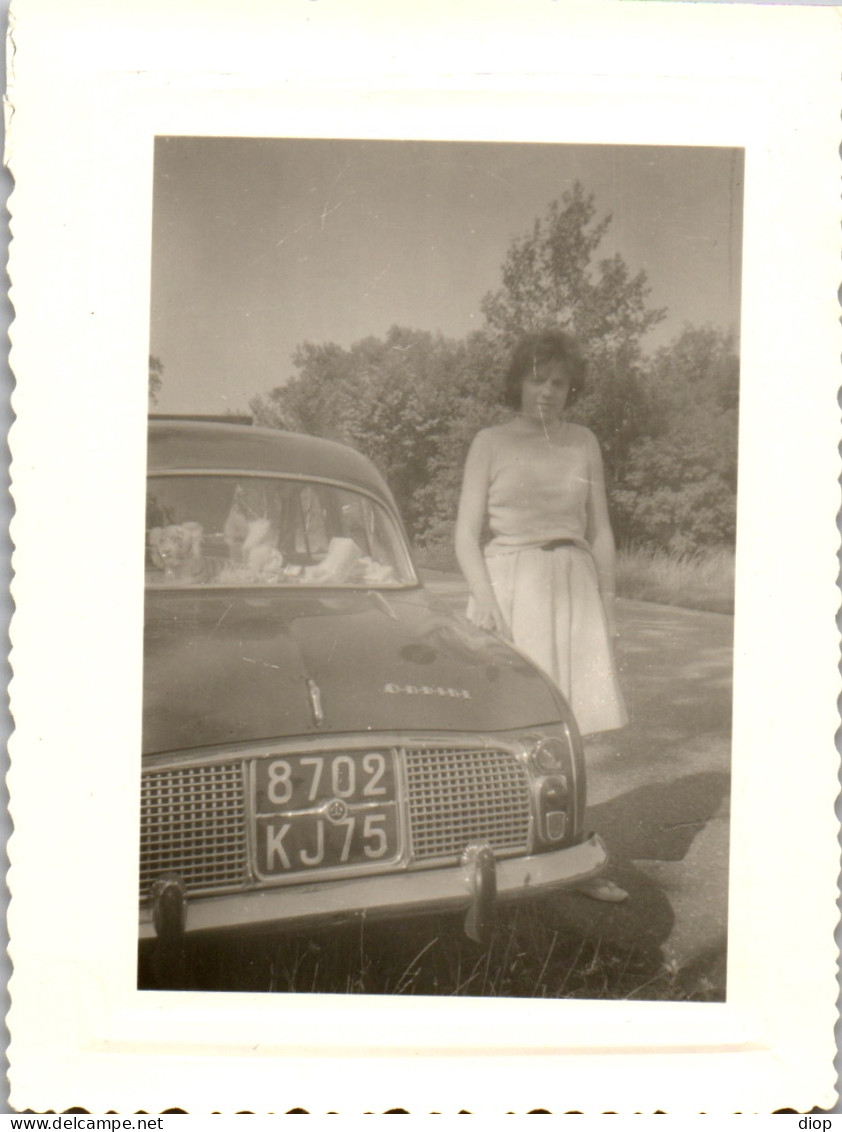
(659, 792)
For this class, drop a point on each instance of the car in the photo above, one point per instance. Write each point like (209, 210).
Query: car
(323, 739)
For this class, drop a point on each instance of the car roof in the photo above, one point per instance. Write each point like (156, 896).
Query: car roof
(185, 445)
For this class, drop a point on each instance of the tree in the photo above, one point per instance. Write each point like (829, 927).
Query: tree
(700, 365)
(314, 399)
(477, 378)
(680, 483)
(156, 373)
(413, 401)
(551, 278)
(394, 399)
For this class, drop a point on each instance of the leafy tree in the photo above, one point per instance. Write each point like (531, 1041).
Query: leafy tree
(679, 486)
(394, 399)
(156, 372)
(313, 400)
(549, 280)
(552, 277)
(475, 404)
(412, 401)
(700, 366)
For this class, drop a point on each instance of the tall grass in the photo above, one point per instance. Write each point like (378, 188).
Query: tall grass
(701, 579)
(533, 953)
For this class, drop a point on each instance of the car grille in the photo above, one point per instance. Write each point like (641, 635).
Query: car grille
(193, 819)
(456, 797)
(193, 822)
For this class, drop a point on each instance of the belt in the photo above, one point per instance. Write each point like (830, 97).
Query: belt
(557, 542)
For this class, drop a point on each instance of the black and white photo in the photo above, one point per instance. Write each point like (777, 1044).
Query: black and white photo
(296, 729)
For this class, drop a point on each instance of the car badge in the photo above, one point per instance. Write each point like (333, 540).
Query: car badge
(426, 690)
(337, 810)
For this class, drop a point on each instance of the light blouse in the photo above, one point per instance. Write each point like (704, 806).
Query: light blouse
(538, 488)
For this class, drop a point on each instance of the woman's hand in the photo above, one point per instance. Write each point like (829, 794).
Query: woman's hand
(486, 614)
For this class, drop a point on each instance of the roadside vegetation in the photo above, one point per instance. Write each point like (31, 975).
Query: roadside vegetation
(697, 579)
(532, 954)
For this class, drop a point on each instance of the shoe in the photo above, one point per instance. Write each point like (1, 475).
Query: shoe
(603, 889)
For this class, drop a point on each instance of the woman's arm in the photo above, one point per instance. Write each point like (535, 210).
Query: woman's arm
(600, 535)
(473, 504)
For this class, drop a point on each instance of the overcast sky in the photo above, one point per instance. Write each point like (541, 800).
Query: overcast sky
(261, 244)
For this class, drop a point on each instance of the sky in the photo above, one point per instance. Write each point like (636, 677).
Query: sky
(261, 244)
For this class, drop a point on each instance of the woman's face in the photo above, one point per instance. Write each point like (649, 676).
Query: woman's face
(545, 391)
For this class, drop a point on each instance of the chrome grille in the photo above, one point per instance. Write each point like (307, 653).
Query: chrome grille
(193, 822)
(460, 796)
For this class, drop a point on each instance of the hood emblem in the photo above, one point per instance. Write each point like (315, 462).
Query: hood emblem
(315, 693)
(426, 690)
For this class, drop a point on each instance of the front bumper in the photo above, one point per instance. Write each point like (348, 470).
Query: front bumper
(468, 887)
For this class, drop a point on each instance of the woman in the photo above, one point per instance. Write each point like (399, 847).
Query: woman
(546, 578)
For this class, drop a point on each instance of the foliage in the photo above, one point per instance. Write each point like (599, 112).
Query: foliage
(403, 401)
(702, 579)
(679, 485)
(476, 405)
(412, 401)
(551, 279)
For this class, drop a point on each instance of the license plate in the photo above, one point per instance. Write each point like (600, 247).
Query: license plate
(324, 811)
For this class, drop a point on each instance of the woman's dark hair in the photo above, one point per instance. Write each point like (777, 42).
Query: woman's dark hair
(536, 349)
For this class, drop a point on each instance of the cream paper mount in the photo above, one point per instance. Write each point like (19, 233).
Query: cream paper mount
(90, 89)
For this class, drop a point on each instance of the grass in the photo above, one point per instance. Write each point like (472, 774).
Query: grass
(702, 579)
(531, 954)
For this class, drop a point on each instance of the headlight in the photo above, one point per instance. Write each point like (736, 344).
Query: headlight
(549, 754)
(553, 757)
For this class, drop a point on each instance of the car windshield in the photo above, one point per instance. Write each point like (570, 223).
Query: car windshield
(214, 530)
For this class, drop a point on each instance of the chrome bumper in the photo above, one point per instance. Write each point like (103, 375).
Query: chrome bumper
(466, 887)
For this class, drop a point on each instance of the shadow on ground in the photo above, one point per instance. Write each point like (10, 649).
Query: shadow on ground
(659, 821)
(654, 823)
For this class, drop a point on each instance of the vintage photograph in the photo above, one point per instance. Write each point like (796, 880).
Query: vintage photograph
(439, 568)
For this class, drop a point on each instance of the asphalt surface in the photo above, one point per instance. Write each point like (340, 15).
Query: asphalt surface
(658, 792)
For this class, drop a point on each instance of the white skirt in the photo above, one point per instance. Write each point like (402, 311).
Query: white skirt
(550, 600)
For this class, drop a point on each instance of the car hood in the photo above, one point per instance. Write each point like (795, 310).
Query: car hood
(227, 667)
